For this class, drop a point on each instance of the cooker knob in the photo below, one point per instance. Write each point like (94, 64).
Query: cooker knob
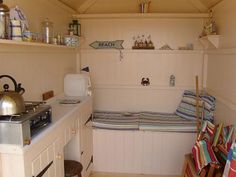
(27, 142)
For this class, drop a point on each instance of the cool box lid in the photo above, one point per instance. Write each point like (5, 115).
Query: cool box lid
(76, 84)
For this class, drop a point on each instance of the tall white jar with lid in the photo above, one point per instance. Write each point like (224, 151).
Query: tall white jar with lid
(47, 31)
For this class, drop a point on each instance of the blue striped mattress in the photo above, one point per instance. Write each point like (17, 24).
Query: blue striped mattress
(146, 121)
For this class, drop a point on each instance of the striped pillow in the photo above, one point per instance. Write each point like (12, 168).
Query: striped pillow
(187, 106)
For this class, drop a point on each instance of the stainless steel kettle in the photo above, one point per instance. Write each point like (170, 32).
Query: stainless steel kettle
(11, 102)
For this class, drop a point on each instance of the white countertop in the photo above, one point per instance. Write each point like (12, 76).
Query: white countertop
(59, 113)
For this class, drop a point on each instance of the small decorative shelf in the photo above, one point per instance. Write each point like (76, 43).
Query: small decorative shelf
(210, 41)
(143, 48)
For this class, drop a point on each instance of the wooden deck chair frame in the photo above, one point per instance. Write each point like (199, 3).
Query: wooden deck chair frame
(221, 150)
(213, 170)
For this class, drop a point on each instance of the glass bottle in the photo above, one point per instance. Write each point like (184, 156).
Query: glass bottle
(4, 21)
(47, 31)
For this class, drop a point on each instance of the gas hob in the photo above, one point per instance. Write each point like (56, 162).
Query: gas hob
(21, 128)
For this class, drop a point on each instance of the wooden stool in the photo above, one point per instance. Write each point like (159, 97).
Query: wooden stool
(72, 168)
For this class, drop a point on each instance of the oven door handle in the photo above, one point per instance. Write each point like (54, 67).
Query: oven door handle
(44, 170)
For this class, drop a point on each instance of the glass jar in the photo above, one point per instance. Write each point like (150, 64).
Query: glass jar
(4, 21)
(47, 31)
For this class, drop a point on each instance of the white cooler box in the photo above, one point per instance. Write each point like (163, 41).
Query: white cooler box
(77, 85)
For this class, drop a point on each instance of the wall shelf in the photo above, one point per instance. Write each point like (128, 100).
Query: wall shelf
(143, 51)
(210, 41)
(151, 87)
(36, 44)
(142, 15)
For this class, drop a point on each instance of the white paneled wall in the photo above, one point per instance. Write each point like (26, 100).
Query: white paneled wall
(117, 81)
(141, 152)
(221, 83)
(173, 31)
(37, 69)
(117, 86)
(221, 64)
(108, 69)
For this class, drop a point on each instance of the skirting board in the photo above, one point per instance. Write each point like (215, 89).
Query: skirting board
(105, 174)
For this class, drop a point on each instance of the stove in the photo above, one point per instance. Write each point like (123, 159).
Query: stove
(21, 128)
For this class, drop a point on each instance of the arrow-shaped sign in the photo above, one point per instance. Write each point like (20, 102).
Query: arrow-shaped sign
(107, 44)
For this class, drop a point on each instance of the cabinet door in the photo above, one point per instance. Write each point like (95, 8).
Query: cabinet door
(71, 128)
(36, 166)
(59, 157)
(44, 162)
(51, 158)
(86, 138)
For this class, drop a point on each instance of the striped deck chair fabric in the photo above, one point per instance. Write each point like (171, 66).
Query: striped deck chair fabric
(230, 167)
(207, 132)
(227, 136)
(203, 155)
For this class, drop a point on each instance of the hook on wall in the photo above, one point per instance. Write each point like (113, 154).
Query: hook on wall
(172, 80)
(121, 55)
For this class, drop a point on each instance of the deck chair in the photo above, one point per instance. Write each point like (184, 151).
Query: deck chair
(195, 163)
(189, 169)
(224, 143)
(230, 167)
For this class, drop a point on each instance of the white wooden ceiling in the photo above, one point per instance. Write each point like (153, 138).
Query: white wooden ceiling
(132, 6)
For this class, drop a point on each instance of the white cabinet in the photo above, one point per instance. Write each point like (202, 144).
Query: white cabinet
(48, 151)
(71, 128)
(51, 160)
(80, 148)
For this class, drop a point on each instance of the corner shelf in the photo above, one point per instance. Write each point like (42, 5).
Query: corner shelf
(210, 41)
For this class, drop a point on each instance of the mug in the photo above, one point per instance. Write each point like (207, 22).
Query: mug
(16, 32)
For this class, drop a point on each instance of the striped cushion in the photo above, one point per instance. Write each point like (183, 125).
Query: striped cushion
(187, 106)
(115, 120)
(150, 121)
(165, 122)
